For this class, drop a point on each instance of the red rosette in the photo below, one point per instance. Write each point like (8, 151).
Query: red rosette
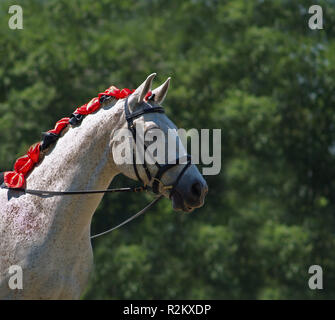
(90, 107)
(108, 92)
(13, 179)
(124, 93)
(27, 162)
(116, 93)
(60, 125)
(34, 152)
(23, 165)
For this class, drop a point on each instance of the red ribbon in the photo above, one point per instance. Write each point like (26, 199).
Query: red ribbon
(90, 107)
(23, 165)
(60, 125)
(28, 161)
(13, 179)
(116, 93)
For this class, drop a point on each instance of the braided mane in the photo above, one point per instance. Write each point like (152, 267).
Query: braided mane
(24, 165)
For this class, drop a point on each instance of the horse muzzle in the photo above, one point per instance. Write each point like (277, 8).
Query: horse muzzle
(189, 196)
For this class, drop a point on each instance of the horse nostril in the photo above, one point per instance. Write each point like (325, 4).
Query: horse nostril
(196, 189)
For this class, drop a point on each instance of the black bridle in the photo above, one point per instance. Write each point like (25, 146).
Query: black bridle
(161, 169)
(154, 181)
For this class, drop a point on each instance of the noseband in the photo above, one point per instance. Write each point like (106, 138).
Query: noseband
(154, 181)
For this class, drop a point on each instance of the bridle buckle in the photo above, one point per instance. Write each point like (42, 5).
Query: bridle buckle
(160, 183)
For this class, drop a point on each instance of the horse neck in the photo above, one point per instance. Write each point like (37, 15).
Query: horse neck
(80, 160)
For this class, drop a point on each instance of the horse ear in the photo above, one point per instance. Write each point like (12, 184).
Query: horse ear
(143, 89)
(161, 91)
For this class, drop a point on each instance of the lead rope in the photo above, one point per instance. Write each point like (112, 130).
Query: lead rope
(145, 209)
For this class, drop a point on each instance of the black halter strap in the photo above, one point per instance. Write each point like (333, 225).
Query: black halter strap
(162, 169)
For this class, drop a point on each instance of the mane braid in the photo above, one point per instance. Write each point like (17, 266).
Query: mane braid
(24, 165)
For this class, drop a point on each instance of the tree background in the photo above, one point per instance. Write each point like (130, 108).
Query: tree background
(253, 69)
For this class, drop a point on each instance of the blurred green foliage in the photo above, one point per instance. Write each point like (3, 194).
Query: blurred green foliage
(253, 69)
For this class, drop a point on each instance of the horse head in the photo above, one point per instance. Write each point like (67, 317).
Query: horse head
(176, 178)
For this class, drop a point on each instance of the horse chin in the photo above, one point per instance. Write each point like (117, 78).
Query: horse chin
(178, 203)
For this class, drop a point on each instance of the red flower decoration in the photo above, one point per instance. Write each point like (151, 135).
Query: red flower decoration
(13, 179)
(60, 125)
